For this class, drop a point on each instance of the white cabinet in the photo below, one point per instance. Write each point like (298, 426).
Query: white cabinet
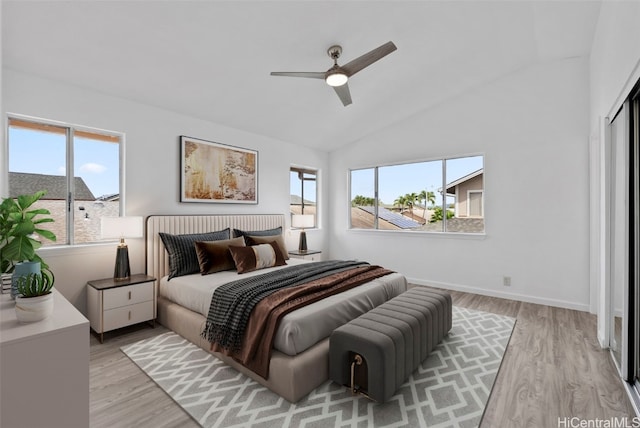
(114, 304)
(44, 362)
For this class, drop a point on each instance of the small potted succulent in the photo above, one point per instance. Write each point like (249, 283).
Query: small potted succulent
(34, 301)
(20, 228)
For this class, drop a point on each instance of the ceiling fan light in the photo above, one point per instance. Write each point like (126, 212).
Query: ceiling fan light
(336, 79)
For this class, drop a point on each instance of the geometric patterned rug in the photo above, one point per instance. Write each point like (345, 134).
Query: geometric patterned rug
(449, 389)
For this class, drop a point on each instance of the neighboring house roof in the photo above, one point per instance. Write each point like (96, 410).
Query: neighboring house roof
(393, 218)
(361, 219)
(463, 179)
(297, 200)
(109, 198)
(22, 183)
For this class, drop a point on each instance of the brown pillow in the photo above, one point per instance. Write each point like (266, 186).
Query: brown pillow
(214, 256)
(255, 240)
(256, 257)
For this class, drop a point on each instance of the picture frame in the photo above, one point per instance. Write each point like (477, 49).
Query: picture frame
(212, 172)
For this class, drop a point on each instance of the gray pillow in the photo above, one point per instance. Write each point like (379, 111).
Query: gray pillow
(268, 232)
(183, 259)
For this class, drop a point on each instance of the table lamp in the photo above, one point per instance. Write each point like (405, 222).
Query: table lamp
(121, 227)
(301, 221)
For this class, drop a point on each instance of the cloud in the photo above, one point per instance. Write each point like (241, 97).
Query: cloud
(93, 168)
(62, 170)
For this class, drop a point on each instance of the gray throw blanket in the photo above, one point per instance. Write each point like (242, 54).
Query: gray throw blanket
(233, 302)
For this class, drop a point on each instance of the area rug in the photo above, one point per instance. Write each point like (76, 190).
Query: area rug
(449, 389)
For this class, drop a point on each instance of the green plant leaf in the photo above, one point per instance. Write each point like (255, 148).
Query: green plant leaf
(19, 249)
(35, 284)
(24, 228)
(18, 240)
(46, 234)
(39, 211)
(25, 201)
(43, 220)
(34, 242)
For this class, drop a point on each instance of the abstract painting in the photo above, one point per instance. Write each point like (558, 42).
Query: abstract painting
(213, 172)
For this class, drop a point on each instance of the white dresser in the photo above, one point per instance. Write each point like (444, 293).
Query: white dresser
(44, 368)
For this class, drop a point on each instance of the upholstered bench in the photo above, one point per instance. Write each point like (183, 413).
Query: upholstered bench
(375, 353)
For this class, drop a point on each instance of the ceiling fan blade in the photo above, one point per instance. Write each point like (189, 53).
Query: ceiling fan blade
(343, 93)
(369, 58)
(310, 74)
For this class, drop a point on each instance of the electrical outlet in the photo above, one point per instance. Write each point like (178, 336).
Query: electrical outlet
(506, 281)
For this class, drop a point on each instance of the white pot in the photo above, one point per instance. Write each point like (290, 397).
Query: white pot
(31, 309)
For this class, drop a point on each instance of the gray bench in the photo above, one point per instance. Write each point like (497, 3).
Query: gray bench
(375, 353)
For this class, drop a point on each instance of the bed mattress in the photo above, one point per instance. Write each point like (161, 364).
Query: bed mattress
(301, 328)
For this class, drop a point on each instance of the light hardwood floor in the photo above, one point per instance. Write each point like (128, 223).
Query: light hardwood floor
(553, 368)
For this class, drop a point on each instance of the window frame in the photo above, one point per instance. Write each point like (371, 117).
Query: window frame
(82, 131)
(443, 233)
(316, 173)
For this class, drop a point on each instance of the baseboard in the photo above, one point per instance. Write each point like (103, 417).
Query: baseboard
(503, 295)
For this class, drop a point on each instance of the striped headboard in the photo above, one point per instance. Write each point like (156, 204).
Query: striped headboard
(157, 259)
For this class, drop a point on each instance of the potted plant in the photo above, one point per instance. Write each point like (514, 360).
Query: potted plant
(34, 301)
(19, 228)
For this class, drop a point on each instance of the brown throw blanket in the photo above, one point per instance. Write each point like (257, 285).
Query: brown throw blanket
(258, 338)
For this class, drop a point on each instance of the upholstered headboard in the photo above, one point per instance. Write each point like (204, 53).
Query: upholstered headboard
(157, 258)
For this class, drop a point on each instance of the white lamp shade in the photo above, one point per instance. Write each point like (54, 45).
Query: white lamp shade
(302, 220)
(121, 227)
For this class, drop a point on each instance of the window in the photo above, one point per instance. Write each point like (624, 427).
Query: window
(303, 192)
(414, 196)
(78, 167)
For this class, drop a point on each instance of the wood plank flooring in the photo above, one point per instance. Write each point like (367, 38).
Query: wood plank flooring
(553, 368)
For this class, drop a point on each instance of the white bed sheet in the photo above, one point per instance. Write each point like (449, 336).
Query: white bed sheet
(302, 328)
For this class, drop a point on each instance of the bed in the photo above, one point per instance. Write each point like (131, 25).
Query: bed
(300, 360)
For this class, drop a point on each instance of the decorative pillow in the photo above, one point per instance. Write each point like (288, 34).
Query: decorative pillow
(278, 239)
(268, 232)
(214, 256)
(182, 252)
(248, 259)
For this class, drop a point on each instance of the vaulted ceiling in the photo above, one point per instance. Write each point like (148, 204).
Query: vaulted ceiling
(212, 59)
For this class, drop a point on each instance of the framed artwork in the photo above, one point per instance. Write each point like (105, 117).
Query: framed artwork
(213, 172)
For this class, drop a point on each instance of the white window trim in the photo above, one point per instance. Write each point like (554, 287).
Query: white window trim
(72, 127)
(463, 235)
(316, 171)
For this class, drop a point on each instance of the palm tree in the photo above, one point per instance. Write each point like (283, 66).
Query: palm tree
(411, 198)
(360, 200)
(400, 201)
(422, 197)
(428, 198)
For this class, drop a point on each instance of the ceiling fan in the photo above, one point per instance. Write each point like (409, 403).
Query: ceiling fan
(337, 76)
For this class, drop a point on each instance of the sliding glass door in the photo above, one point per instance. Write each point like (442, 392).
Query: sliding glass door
(619, 238)
(624, 241)
(634, 231)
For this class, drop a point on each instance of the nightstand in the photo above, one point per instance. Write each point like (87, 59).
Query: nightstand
(114, 304)
(314, 255)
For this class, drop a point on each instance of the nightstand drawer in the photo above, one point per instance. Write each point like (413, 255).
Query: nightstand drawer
(129, 295)
(127, 315)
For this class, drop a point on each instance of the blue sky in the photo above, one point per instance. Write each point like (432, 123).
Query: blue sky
(97, 162)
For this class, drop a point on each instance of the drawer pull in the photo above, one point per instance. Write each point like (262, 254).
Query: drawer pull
(129, 295)
(129, 315)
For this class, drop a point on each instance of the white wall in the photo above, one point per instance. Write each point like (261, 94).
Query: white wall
(615, 58)
(532, 127)
(152, 167)
(614, 69)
